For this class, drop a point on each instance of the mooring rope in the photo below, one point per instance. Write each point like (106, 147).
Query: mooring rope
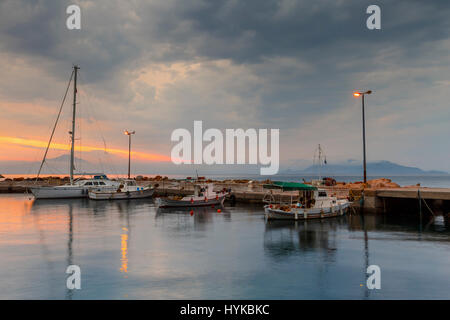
(428, 207)
(422, 199)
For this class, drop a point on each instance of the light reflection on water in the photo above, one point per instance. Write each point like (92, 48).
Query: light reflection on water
(128, 249)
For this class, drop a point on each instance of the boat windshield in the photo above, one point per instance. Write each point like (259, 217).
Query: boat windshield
(101, 177)
(322, 193)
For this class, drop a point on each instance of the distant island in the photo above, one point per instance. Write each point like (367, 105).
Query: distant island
(373, 168)
(114, 164)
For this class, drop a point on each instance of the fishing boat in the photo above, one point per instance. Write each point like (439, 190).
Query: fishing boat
(310, 203)
(204, 195)
(128, 189)
(77, 188)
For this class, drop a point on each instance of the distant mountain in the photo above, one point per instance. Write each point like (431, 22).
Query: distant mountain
(65, 158)
(57, 165)
(113, 164)
(373, 168)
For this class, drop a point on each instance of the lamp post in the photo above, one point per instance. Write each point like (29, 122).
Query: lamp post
(129, 133)
(357, 95)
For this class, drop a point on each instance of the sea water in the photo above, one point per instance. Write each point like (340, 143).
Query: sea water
(131, 250)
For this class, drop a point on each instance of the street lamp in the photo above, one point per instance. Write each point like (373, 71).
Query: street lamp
(357, 95)
(129, 133)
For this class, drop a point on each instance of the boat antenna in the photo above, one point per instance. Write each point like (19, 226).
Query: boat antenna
(72, 133)
(54, 127)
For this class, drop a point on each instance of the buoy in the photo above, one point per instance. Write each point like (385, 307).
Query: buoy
(219, 211)
(192, 212)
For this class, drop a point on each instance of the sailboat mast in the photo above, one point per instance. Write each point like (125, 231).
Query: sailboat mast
(72, 147)
(320, 163)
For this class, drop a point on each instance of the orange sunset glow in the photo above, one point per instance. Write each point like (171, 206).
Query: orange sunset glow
(60, 146)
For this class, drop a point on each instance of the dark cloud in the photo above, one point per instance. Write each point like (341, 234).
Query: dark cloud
(115, 34)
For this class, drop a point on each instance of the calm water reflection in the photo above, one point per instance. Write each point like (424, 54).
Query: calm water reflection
(128, 249)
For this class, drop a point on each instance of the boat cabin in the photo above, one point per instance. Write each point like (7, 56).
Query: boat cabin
(128, 182)
(92, 183)
(323, 199)
(96, 181)
(203, 189)
(308, 196)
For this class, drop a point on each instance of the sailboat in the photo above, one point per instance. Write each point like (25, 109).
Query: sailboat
(76, 188)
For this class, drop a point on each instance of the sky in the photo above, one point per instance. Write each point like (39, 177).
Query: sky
(155, 66)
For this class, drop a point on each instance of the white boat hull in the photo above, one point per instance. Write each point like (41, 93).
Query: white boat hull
(58, 192)
(62, 192)
(336, 210)
(140, 194)
(166, 203)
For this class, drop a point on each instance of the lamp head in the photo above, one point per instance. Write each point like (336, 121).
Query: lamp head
(358, 94)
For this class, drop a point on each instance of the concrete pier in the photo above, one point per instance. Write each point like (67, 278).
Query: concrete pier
(413, 193)
(430, 201)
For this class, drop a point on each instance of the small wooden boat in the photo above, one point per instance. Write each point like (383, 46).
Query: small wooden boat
(312, 203)
(128, 189)
(204, 195)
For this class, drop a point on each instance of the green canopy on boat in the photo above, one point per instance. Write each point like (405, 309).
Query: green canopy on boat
(289, 186)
